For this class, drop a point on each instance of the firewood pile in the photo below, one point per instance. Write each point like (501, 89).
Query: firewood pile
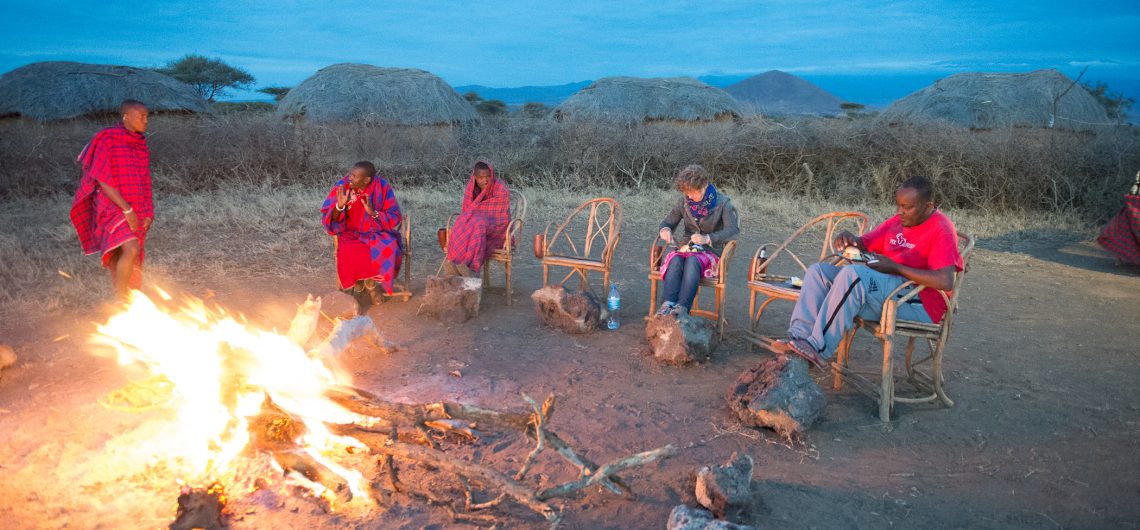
(399, 434)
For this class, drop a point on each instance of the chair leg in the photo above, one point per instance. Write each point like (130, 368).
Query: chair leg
(842, 352)
(507, 273)
(652, 297)
(720, 321)
(936, 374)
(887, 386)
(545, 274)
(751, 321)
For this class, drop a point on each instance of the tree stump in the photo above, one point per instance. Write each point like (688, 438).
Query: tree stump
(685, 518)
(728, 486)
(681, 339)
(452, 298)
(778, 393)
(570, 311)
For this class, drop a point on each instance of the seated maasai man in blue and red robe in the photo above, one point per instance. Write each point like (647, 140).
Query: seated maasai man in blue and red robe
(362, 213)
(481, 226)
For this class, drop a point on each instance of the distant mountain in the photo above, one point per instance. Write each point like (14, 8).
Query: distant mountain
(782, 94)
(548, 95)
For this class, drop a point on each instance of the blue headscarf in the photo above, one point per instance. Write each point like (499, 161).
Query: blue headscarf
(700, 209)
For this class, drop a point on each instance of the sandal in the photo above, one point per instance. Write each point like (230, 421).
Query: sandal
(806, 351)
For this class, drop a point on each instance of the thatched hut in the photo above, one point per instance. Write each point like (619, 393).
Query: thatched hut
(649, 99)
(776, 93)
(58, 90)
(349, 92)
(1042, 98)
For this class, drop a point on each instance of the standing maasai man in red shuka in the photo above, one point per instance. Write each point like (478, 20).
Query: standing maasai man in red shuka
(481, 227)
(113, 207)
(362, 213)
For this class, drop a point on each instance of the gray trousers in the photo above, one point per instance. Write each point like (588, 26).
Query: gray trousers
(831, 298)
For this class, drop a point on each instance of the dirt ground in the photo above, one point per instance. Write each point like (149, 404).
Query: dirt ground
(1045, 432)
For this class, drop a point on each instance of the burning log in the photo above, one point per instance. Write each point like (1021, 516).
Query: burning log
(275, 432)
(199, 508)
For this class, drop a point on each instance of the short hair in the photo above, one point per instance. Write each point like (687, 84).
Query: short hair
(129, 104)
(482, 164)
(366, 166)
(691, 177)
(920, 184)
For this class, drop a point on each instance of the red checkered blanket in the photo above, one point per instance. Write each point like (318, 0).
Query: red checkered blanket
(120, 159)
(482, 225)
(1121, 235)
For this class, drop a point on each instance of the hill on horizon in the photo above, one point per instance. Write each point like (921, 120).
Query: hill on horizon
(782, 94)
(550, 95)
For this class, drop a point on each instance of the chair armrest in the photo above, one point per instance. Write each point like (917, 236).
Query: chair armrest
(656, 253)
(757, 268)
(890, 306)
(725, 257)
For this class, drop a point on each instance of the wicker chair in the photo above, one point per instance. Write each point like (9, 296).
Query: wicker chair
(400, 289)
(504, 255)
(928, 383)
(599, 221)
(777, 287)
(657, 252)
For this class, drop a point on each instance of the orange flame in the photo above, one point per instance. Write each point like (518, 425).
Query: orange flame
(222, 370)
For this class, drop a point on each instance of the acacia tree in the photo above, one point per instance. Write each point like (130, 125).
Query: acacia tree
(210, 77)
(277, 92)
(1114, 103)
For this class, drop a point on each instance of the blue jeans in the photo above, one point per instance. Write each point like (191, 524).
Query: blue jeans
(832, 297)
(681, 280)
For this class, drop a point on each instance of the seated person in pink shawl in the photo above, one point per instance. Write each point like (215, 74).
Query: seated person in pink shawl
(362, 214)
(710, 221)
(113, 206)
(482, 224)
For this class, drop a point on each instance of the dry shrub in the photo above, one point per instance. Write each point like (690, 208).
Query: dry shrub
(859, 160)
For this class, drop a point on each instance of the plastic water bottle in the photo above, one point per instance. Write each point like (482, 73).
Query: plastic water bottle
(613, 303)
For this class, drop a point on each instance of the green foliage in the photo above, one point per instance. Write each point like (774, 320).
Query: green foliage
(491, 107)
(534, 110)
(472, 97)
(210, 77)
(225, 107)
(1115, 104)
(851, 107)
(278, 92)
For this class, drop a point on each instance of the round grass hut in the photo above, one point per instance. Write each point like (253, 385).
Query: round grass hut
(349, 92)
(649, 99)
(58, 90)
(1042, 99)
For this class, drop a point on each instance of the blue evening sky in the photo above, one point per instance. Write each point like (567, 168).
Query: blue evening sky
(512, 43)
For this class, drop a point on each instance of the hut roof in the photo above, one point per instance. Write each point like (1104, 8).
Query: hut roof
(57, 90)
(349, 92)
(636, 99)
(1042, 98)
(780, 93)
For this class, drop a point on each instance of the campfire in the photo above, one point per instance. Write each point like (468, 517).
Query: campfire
(239, 392)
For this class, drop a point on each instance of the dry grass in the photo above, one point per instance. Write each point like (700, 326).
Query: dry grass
(1000, 170)
(262, 236)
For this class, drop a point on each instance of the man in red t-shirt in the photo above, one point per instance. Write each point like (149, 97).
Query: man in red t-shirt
(918, 244)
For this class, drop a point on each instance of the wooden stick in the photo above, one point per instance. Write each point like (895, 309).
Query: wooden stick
(522, 494)
(609, 469)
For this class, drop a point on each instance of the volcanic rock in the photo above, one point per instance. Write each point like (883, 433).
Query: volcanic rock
(778, 393)
(452, 298)
(685, 518)
(721, 487)
(681, 339)
(569, 311)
